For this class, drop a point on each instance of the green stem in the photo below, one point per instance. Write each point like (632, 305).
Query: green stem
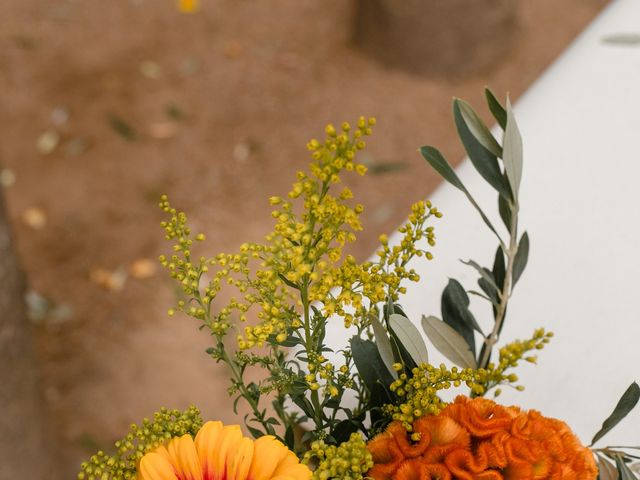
(501, 309)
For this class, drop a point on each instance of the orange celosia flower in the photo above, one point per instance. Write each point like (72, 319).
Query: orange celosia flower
(222, 453)
(481, 440)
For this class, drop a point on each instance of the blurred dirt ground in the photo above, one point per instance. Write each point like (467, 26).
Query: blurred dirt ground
(107, 105)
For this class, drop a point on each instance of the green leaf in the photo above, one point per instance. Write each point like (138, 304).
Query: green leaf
(370, 366)
(624, 471)
(456, 314)
(384, 344)
(448, 342)
(498, 111)
(606, 470)
(477, 128)
(410, 338)
(484, 160)
(626, 403)
(522, 255)
(486, 275)
(499, 269)
(440, 164)
(505, 211)
(512, 148)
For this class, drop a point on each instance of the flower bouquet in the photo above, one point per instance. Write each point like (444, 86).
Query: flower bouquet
(374, 407)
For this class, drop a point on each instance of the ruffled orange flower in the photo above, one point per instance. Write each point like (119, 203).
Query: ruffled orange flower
(481, 440)
(222, 453)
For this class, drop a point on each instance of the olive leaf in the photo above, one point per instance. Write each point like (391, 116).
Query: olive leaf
(624, 471)
(498, 111)
(483, 160)
(448, 342)
(370, 366)
(626, 403)
(512, 152)
(440, 164)
(606, 470)
(384, 344)
(520, 261)
(477, 127)
(410, 338)
(456, 313)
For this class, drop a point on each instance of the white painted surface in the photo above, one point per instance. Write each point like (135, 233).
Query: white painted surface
(580, 196)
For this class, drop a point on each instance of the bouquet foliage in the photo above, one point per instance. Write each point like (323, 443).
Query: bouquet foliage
(373, 408)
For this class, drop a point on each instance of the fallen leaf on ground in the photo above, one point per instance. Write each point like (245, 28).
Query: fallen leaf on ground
(108, 279)
(150, 69)
(163, 130)
(35, 218)
(233, 49)
(143, 268)
(7, 177)
(47, 142)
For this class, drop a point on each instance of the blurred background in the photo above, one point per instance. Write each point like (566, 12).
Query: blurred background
(107, 105)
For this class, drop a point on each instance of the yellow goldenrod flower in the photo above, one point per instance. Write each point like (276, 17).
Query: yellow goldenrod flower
(188, 6)
(222, 452)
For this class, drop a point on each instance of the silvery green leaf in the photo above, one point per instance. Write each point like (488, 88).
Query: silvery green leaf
(498, 111)
(606, 470)
(624, 471)
(448, 342)
(410, 338)
(505, 211)
(384, 344)
(512, 151)
(626, 403)
(369, 363)
(520, 262)
(477, 127)
(440, 164)
(456, 313)
(483, 160)
(622, 39)
(485, 273)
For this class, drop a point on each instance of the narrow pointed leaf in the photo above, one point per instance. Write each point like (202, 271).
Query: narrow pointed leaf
(477, 128)
(485, 273)
(624, 472)
(384, 345)
(440, 164)
(370, 366)
(505, 211)
(499, 269)
(626, 403)
(448, 342)
(456, 314)
(512, 152)
(498, 111)
(410, 338)
(484, 161)
(606, 470)
(520, 262)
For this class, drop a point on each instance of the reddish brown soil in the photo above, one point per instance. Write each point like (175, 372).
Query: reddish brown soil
(251, 81)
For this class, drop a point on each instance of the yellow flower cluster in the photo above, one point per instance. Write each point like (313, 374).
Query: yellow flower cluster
(166, 424)
(301, 263)
(510, 355)
(333, 380)
(394, 259)
(418, 393)
(348, 461)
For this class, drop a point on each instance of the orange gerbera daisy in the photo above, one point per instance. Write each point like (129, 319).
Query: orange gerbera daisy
(480, 440)
(222, 453)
